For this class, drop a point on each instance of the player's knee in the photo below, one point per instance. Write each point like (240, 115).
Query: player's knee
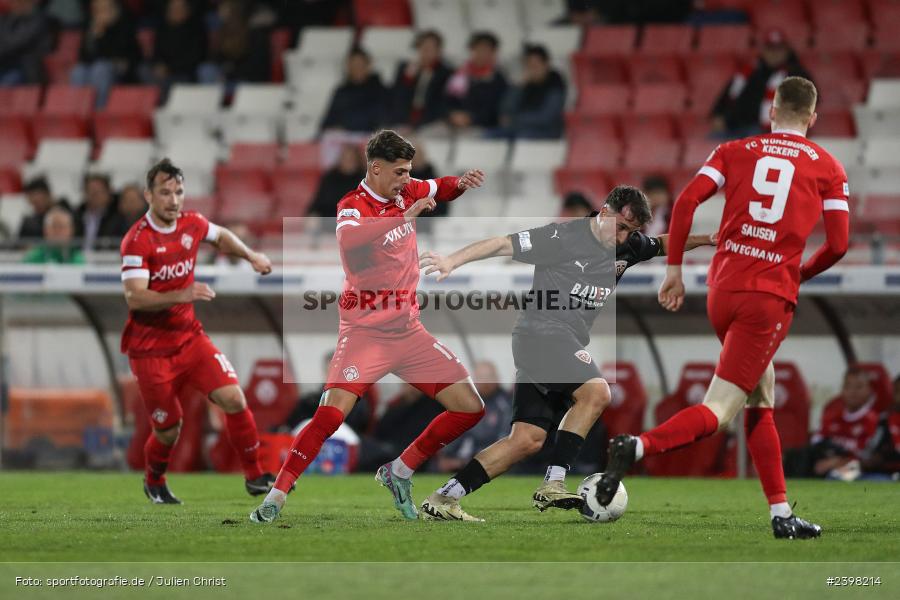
(594, 395)
(168, 436)
(529, 442)
(230, 399)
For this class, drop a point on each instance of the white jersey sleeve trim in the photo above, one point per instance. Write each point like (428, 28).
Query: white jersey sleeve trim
(342, 223)
(432, 187)
(713, 174)
(836, 205)
(212, 234)
(135, 274)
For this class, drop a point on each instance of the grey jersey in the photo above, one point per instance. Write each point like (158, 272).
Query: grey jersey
(574, 274)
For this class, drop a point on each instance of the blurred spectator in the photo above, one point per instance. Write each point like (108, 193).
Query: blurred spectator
(575, 205)
(132, 205)
(657, 189)
(580, 12)
(109, 50)
(179, 47)
(494, 425)
(743, 106)
(25, 38)
(359, 103)
(634, 11)
(337, 181)
(475, 91)
(423, 169)
(846, 428)
(534, 110)
(882, 455)
(408, 414)
(37, 191)
(58, 245)
(240, 44)
(418, 92)
(97, 221)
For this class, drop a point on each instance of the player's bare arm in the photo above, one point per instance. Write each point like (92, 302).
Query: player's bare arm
(444, 265)
(693, 241)
(140, 297)
(228, 243)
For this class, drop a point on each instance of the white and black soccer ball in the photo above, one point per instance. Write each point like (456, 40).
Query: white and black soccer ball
(591, 509)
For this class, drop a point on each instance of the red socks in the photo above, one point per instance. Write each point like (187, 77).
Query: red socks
(307, 444)
(156, 456)
(442, 430)
(244, 439)
(685, 427)
(765, 448)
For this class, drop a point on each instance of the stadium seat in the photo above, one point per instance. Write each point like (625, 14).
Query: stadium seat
(844, 95)
(644, 128)
(653, 69)
(666, 40)
(884, 94)
(125, 160)
(792, 405)
(242, 179)
(128, 113)
(828, 14)
(561, 41)
(833, 123)
(882, 153)
(255, 114)
(303, 157)
(13, 208)
(20, 104)
(489, 155)
(881, 213)
(10, 183)
(63, 162)
(63, 58)
(254, 156)
(197, 157)
(695, 125)
(649, 155)
(244, 205)
(777, 13)
(442, 15)
(537, 156)
(604, 99)
(830, 69)
(588, 152)
(843, 37)
(65, 113)
(205, 205)
(601, 126)
(847, 151)
(191, 111)
(729, 40)
(598, 71)
(625, 413)
(589, 182)
(388, 46)
(307, 109)
(16, 147)
(704, 458)
(294, 190)
(437, 151)
(659, 98)
(605, 41)
(702, 99)
(538, 14)
(382, 13)
(696, 151)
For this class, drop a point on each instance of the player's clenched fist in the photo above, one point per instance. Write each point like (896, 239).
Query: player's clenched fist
(435, 263)
(671, 292)
(261, 263)
(473, 178)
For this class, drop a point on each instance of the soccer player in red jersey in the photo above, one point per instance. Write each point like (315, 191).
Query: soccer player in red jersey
(166, 346)
(380, 331)
(776, 187)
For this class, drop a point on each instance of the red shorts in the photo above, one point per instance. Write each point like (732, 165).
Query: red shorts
(161, 379)
(363, 356)
(751, 326)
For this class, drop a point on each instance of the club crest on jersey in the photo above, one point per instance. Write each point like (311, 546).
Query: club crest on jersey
(400, 203)
(351, 373)
(621, 265)
(159, 415)
(584, 356)
(187, 241)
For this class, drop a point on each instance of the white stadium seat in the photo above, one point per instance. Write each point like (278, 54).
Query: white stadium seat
(192, 110)
(443, 15)
(540, 13)
(561, 42)
(488, 155)
(388, 47)
(882, 153)
(538, 156)
(197, 158)
(437, 152)
(13, 208)
(325, 41)
(846, 150)
(305, 113)
(256, 113)
(63, 162)
(125, 160)
(884, 93)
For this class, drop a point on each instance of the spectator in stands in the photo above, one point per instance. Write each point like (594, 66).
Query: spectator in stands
(575, 205)
(25, 38)
(417, 97)
(846, 428)
(660, 196)
(37, 191)
(240, 44)
(346, 174)
(179, 48)
(743, 106)
(534, 110)
(476, 89)
(58, 244)
(423, 169)
(132, 205)
(493, 426)
(359, 103)
(109, 51)
(97, 221)
(882, 455)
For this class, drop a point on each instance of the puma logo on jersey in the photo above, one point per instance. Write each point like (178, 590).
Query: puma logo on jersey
(179, 269)
(555, 235)
(397, 233)
(581, 266)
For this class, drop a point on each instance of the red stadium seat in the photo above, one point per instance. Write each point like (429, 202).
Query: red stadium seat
(590, 182)
(880, 213)
(60, 62)
(842, 96)
(294, 190)
(256, 156)
(18, 107)
(611, 99)
(729, 40)
(591, 71)
(830, 69)
(128, 113)
(643, 127)
(205, 205)
(654, 69)
(625, 413)
(609, 41)
(671, 40)
(652, 154)
(588, 152)
(601, 126)
(244, 205)
(66, 112)
(303, 156)
(843, 37)
(244, 180)
(696, 151)
(792, 404)
(659, 98)
(710, 70)
(885, 14)
(16, 147)
(692, 126)
(827, 14)
(798, 35)
(704, 458)
(886, 40)
(836, 122)
(382, 13)
(10, 180)
(876, 63)
(702, 99)
(279, 42)
(777, 13)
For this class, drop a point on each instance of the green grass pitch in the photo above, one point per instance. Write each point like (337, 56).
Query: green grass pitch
(714, 532)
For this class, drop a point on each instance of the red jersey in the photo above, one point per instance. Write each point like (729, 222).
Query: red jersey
(777, 186)
(382, 272)
(850, 430)
(165, 256)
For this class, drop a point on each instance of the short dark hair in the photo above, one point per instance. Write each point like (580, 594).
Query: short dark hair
(796, 96)
(433, 34)
(656, 182)
(577, 200)
(165, 167)
(630, 196)
(38, 184)
(485, 37)
(538, 50)
(389, 146)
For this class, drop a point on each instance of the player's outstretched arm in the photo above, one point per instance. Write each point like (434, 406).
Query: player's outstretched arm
(228, 243)
(141, 298)
(444, 265)
(693, 241)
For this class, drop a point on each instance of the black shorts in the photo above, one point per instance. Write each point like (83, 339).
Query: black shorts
(548, 369)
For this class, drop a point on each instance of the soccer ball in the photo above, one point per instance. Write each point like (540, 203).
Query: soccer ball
(591, 509)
